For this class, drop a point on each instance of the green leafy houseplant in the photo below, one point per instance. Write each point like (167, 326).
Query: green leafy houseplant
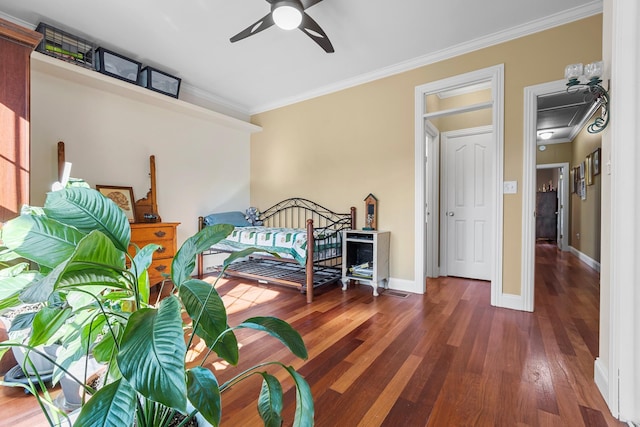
(94, 300)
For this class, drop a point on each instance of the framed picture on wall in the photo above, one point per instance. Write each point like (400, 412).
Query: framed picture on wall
(588, 173)
(121, 196)
(596, 162)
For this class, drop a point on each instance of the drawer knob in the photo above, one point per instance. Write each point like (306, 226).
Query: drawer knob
(160, 233)
(161, 267)
(161, 249)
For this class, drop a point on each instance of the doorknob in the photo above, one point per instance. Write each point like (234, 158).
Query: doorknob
(450, 213)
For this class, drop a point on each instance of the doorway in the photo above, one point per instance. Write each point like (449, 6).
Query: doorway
(493, 78)
(562, 194)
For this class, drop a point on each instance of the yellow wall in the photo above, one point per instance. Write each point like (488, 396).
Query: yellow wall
(585, 214)
(337, 148)
(554, 153)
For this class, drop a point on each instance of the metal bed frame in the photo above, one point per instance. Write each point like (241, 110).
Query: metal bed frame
(293, 213)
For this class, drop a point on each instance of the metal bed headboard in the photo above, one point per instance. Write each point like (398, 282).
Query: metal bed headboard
(295, 212)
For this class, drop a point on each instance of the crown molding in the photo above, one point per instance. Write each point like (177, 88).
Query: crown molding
(538, 25)
(17, 21)
(216, 100)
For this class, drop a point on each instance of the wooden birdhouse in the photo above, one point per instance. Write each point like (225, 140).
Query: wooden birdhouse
(371, 212)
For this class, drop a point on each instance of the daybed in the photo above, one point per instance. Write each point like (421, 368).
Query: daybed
(307, 236)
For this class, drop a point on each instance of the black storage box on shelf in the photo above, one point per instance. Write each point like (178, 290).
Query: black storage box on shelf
(159, 81)
(116, 65)
(63, 45)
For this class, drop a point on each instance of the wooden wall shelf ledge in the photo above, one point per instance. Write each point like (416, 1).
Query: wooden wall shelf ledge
(57, 68)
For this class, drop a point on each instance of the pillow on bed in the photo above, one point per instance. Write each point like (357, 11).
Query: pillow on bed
(235, 218)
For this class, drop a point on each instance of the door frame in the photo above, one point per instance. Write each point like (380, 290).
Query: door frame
(495, 75)
(529, 169)
(432, 207)
(444, 227)
(564, 200)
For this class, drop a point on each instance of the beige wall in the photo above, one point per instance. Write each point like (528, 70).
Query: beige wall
(554, 153)
(338, 148)
(585, 214)
(201, 166)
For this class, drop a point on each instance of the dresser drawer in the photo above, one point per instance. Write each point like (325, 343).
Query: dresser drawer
(158, 267)
(166, 249)
(163, 234)
(152, 233)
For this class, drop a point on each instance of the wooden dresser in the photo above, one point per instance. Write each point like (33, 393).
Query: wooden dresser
(161, 233)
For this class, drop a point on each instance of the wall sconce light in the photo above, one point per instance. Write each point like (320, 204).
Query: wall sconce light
(593, 89)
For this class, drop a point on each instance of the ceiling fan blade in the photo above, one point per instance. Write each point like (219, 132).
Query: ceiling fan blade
(308, 3)
(313, 30)
(260, 25)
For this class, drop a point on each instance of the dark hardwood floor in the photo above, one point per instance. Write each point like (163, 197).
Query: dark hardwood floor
(446, 358)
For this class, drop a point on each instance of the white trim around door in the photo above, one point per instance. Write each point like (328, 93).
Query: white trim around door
(529, 169)
(494, 75)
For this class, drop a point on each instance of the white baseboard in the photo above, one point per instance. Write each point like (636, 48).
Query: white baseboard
(601, 378)
(586, 259)
(404, 285)
(510, 301)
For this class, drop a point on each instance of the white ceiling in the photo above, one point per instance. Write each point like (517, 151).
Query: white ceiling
(372, 38)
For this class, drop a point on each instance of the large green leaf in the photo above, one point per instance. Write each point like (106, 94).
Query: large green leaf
(103, 351)
(112, 406)
(139, 266)
(204, 305)
(270, 401)
(94, 250)
(204, 394)
(22, 321)
(14, 279)
(88, 210)
(304, 400)
(185, 260)
(152, 354)
(279, 329)
(40, 239)
(46, 323)
(92, 279)
(40, 290)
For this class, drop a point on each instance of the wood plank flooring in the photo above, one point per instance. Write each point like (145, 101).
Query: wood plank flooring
(446, 358)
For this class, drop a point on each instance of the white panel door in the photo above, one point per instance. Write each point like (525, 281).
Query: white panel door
(468, 203)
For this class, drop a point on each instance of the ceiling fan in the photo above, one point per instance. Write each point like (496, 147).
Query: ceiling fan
(288, 15)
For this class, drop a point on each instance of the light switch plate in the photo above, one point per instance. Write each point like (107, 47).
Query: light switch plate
(510, 187)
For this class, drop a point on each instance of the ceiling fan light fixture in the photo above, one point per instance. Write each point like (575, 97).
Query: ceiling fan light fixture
(287, 14)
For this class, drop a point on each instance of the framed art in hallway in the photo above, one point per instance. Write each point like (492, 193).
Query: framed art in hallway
(121, 196)
(596, 162)
(588, 169)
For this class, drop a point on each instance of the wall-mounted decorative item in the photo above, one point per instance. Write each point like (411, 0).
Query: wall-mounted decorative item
(66, 46)
(116, 65)
(160, 81)
(122, 196)
(592, 89)
(588, 173)
(596, 162)
(371, 212)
